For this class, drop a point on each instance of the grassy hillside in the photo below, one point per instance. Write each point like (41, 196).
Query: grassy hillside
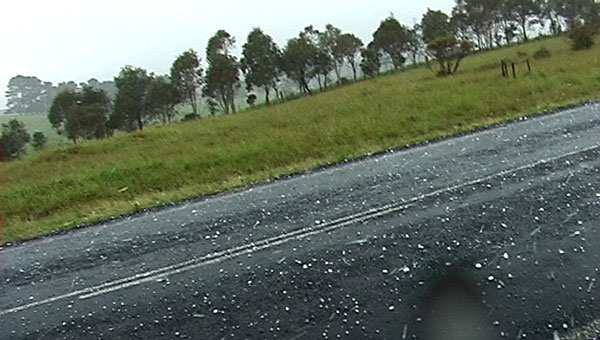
(68, 186)
(36, 123)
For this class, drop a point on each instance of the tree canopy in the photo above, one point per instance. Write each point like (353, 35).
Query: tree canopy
(129, 111)
(261, 62)
(223, 73)
(187, 77)
(392, 38)
(13, 140)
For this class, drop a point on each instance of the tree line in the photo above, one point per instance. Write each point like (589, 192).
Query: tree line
(30, 95)
(312, 58)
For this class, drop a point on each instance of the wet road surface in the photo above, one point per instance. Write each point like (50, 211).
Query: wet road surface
(500, 228)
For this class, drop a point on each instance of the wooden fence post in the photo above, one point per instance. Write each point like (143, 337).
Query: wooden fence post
(514, 71)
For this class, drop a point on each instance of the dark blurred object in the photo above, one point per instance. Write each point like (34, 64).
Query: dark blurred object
(454, 310)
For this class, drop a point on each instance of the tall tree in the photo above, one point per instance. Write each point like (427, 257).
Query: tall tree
(480, 17)
(332, 45)
(163, 96)
(576, 12)
(415, 43)
(129, 110)
(524, 12)
(549, 11)
(61, 105)
(261, 62)
(13, 140)
(392, 38)
(186, 76)
(449, 52)
(350, 46)
(371, 61)
(298, 61)
(434, 25)
(322, 63)
(223, 73)
(442, 42)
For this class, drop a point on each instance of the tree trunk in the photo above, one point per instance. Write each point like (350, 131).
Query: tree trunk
(524, 28)
(337, 74)
(306, 88)
(267, 101)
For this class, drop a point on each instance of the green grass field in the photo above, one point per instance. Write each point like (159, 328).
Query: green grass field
(70, 186)
(36, 123)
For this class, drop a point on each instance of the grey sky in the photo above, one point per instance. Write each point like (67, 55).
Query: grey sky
(66, 40)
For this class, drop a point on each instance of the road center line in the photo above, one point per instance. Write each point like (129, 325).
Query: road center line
(271, 242)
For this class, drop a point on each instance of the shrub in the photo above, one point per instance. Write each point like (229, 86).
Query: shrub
(39, 141)
(582, 37)
(542, 53)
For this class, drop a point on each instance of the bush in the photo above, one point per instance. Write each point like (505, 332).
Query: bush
(542, 53)
(582, 37)
(39, 141)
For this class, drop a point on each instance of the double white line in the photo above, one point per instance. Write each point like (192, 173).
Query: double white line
(271, 242)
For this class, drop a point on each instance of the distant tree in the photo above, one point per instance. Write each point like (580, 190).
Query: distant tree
(130, 103)
(13, 140)
(186, 76)
(162, 98)
(350, 46)
(392, 38)
(371, 62)
(223, 73)
(261, 62)
(39, 141)
(298, 61)
(107, 86)
(26, 95)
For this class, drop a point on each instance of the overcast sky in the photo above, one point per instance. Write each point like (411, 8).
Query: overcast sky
(66, 40)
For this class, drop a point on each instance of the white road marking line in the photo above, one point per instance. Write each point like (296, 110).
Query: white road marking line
(185, 266)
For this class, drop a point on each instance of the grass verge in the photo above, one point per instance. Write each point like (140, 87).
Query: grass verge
(70, 186)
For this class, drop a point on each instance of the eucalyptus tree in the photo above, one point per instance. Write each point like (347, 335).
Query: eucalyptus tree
(298, 61)
(261, 62)
(392, 38)
(187, 77)
(350, 46)
(129, 111)
(223, 73)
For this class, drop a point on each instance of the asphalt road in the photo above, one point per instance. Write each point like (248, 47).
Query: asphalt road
(491, 235)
